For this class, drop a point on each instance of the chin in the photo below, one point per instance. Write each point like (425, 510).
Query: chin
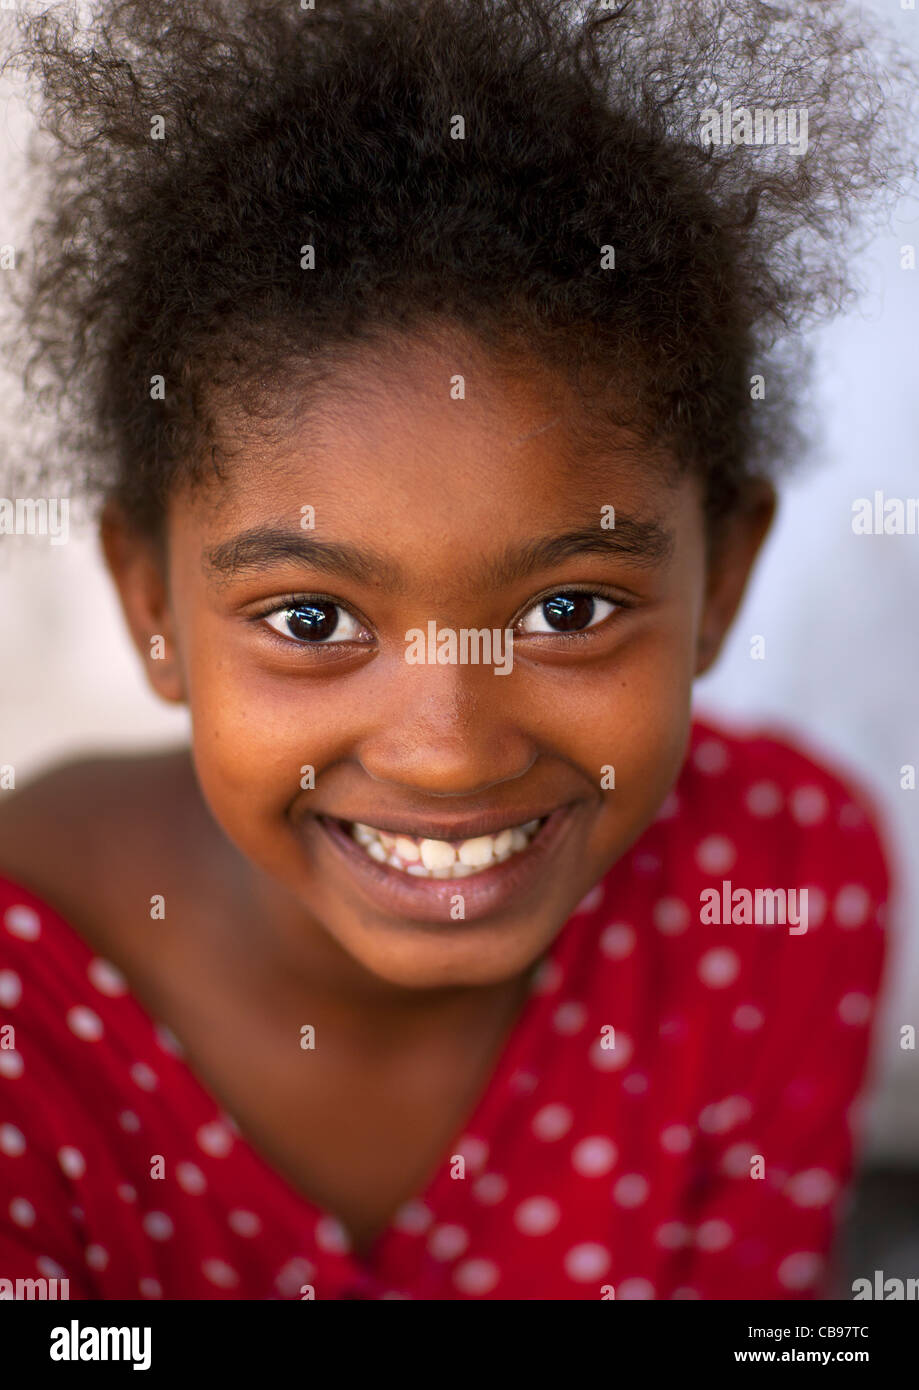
(438, 957)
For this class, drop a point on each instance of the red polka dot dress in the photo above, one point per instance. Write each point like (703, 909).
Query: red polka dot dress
(671, 1118)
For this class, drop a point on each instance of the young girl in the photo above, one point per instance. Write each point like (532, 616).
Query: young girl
(428, 362)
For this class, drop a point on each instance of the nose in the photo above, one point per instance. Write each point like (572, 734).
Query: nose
(446, 731)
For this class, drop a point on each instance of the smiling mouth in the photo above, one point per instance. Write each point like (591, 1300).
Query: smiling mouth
(423, 858)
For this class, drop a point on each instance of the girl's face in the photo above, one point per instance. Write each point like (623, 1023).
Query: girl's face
(289, 632)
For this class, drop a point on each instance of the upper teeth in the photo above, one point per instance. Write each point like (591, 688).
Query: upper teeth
(439, 858)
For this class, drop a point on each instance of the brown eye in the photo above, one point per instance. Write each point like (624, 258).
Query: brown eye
(567, 612)
(314, 621)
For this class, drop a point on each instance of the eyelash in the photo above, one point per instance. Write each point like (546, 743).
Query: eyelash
(303, 599)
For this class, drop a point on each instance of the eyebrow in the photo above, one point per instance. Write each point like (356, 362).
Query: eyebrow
(644, 543)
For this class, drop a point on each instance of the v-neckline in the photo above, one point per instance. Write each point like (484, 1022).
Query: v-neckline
(434, 1194)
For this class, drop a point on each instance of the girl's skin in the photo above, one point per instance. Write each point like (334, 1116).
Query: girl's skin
(266, 926)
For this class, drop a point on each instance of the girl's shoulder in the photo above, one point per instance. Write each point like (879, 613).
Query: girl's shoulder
(76, 835)
(774, 785)
(755, 814)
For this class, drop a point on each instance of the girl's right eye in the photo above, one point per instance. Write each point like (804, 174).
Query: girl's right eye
(315, 622)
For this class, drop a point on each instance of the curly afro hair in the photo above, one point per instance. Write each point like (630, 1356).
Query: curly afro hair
(533, 170)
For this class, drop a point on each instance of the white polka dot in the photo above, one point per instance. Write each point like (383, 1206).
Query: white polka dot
(524, 1083)
(673, 1235)
(723, 1115)
(636, 1083)
(764, 799)
(476, 1276)
(244, 1223)
(331, 1236)
(221, 1274)
(106, 977)
(158, 1225)
(670, 916)
(617, 940)
(474, 1151)
(714, 1235)
(851, 905)
(191, 1179)
(216, 1139)
(669, 807)
(537, 1215)
(97, 1257)
(11, 1064)
(718, 967)
(633, 1289)
(12, 1141)
(715, 854)
(569, 1018)
(22, 1212)
(814, 1187)
(84, 1023)
(631, 1190)
(855, 1008)
(646, 863)
(850, 815)
(490, 1189)
(448, 1242)
(747, 1017)
(50, 1268)
(150, 1288)
(129, 1122)
(294, 1274)
(77, 1213)
(611, 1058)
(800, 1270)
(586, 1262)
(126, 1192)
(591, 901)
(685, 1293)
(552, 1121)
(23, 922)
(10, 989)
(73, 1164)
(594, 1157)
(144, 1077)
(735, 1161)
(676, 1139)
(808, 805)
(711, 756)
(414, 1217)
(168, 1040)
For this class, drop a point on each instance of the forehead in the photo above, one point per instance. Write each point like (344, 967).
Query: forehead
(422, 442)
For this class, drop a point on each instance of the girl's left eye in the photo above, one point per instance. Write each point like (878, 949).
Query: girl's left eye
(315, 621)
(567, 612)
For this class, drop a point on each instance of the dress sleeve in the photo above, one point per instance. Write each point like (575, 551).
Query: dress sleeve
(773, 1185)
(40, 1217)
(37, 1229)
(39, 1221)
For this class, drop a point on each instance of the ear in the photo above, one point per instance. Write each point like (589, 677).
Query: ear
(732, 553)
(137, 565)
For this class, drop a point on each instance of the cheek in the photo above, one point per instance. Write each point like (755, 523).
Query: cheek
(252, 734)
(630, 728)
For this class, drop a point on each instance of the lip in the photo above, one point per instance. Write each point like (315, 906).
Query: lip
(430, 899)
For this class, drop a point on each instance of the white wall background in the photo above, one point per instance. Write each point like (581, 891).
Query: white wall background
(839, 612)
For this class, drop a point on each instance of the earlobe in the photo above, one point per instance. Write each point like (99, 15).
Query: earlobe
(137, 570)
